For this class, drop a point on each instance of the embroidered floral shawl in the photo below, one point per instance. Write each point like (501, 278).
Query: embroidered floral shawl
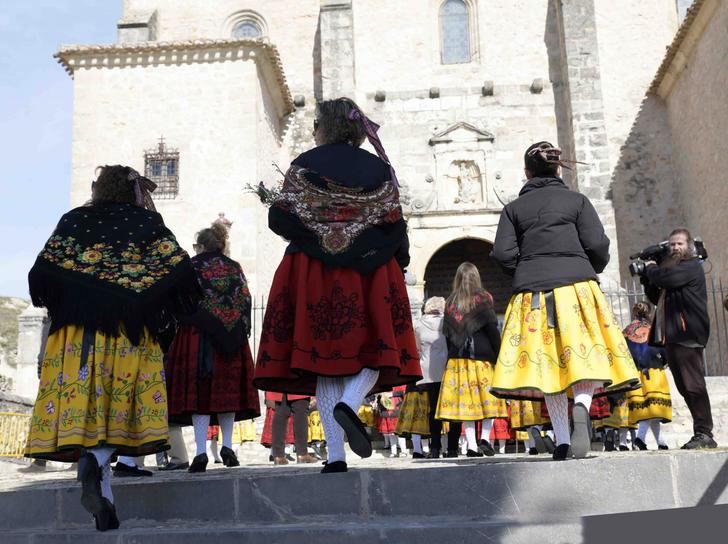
(645, 356)
(115, 268)
(342, 226)
(224, 312)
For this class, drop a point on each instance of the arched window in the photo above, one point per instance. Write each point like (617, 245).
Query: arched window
(247, 29)
(455, 32)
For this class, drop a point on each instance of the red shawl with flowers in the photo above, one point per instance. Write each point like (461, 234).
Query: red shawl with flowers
(342, 226)
(224, 311)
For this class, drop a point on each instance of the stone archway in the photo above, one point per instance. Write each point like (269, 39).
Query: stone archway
(441, 269)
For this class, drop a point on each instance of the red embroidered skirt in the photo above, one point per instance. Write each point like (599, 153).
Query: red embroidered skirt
(501, 429)
(323, 321)
(228, 389)
(266, 438)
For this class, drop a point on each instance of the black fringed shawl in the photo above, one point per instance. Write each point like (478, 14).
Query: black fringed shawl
(224, 312)
(473, 335)
(114, 268)
(340, 226)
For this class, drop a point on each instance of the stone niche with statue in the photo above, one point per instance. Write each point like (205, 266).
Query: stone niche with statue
(461, 154)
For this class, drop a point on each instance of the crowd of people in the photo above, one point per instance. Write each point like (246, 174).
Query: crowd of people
(144, 339)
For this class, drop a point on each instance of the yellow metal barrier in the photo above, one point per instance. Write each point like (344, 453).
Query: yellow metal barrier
(13, 433)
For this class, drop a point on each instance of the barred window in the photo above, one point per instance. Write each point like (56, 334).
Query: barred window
(455, 32)
(161, 165)
(247, 29)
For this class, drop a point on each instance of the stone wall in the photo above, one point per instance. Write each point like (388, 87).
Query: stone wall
(697, 110)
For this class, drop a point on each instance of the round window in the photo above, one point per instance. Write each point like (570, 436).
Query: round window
(247, 29)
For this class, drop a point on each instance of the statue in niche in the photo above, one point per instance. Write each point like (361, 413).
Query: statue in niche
(467, 175)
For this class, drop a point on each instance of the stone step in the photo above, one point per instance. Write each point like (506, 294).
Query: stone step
(399, 530)
(503, 491)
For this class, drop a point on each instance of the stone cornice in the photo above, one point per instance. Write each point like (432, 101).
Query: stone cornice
(696, 20)
(79, 57)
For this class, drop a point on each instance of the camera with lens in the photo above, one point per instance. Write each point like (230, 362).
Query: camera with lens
(655, 253)
(658, 252)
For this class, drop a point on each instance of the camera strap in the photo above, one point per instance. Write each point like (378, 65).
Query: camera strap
(548, 303)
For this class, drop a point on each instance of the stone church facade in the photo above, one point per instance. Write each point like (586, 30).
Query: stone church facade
(206, 96)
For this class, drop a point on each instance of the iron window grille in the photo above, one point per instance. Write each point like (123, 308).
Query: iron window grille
(161, 165)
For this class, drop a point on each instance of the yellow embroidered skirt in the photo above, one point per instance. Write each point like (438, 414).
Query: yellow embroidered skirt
(585, 345)
(244, 431)
(652, 400)
(618, 417)
(525, 414)
(367, 417)
(414, 415)
(117, 399)
(315, 428)
(464, 394)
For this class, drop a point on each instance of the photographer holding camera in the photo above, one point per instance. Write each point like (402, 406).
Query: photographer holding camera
(681, 324)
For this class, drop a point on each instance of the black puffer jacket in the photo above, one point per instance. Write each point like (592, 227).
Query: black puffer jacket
(686, 301)
(549, 237)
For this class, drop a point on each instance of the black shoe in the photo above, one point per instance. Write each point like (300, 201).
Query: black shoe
(175, 466)
(418, 455)
(662, 447)
(218, 461)
(106, 519)
(356, 432)
(336, 466)
(533, 451)
(539, 443)
(700, 441)
(472, 453)
(581, 435)
(550, 446)
(199, 463)
(122, 470)
(562, 452)
(450, 454)
(434, 454)
(609, 442)
(290, 457)
(228, 457)
(639, 444)
(623, 448)
(89, 474)
(486, 448)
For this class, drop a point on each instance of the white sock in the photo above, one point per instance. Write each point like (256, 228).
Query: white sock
(425, 445)
(106, 480)
(642, 430)
(226, 422)
(416, 443)
(530, 442)
(392, 443)
(402, 443)
(328, 394)
(558, 406)
(200, 423)
(551, 435)
(126, 460)
(469, 427)
(358, 386)
(486, 427)
(102, 454)
(463, 445)
(501, 446)
(214, 450)
(583, 392)
(623, 437)
(656, 426)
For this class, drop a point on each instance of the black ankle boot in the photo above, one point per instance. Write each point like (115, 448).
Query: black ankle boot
(336, 466)
(199, 463)
(106, 519)
(561, 452)
(472, 453)
(89, 474)
(229, 458)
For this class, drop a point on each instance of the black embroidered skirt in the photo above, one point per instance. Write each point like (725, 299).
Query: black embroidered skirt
(323, 321)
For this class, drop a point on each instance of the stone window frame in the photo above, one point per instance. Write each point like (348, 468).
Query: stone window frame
(472, 8)
(244, 16)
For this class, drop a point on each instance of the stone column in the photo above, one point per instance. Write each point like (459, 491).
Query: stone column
(336, 27)
(30, 332)
(584, 119)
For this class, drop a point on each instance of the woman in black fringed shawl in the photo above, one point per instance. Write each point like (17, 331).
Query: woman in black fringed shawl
(338, 321)
(110, 276)
(210, 367)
